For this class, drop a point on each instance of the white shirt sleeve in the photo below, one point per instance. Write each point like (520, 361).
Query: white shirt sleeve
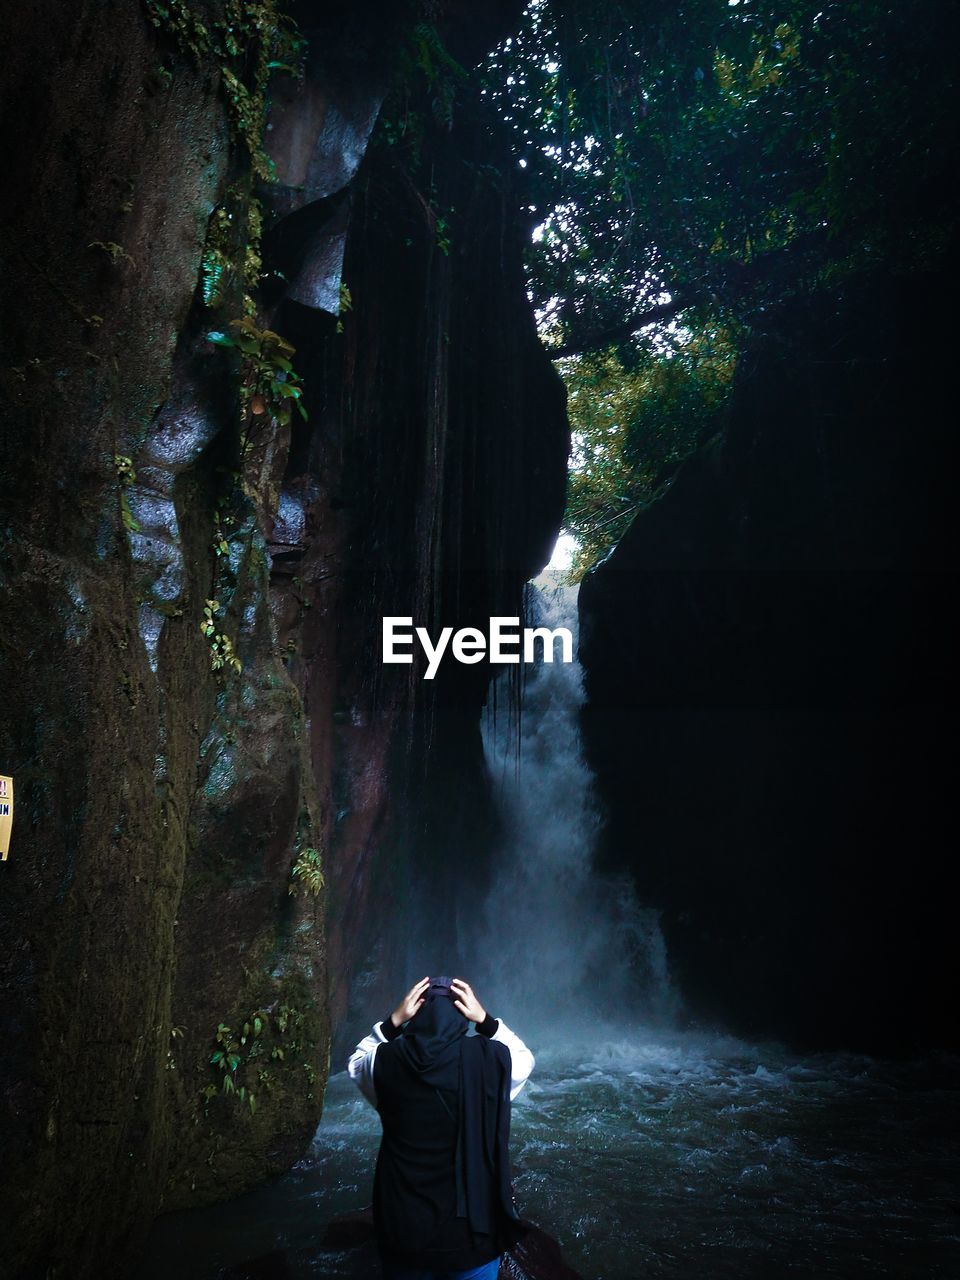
(521, 1059)
(360, 1066)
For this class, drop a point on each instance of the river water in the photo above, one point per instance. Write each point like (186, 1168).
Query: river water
(646, 1148)
(676, 1156)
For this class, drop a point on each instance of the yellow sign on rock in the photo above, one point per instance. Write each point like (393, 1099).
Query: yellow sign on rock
(6, 815)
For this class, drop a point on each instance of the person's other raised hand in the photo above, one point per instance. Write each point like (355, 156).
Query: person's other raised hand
(466, 1001)
(410, 1003)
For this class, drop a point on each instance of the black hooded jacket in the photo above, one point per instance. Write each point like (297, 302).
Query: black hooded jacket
(442, 1197)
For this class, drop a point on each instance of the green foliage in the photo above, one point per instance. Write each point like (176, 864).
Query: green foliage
(275, 1034)
(270, 384)
(231, 264)
(441, 231)
(441, 72)
(212, 268)
(217, 263)
(631, 424)
(345, 305)
(222, 656)
(127, 476)
(311, 1076)
(247, 41)
(232, 1049)
(221, 544)
(308, 871)
(423, 96)
(183, 22)
(124, 469)
(700, 165)
(725, 153)
(418, 111)
(289, 1018)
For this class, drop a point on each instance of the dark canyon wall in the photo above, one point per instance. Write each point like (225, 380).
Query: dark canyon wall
(771, 685)
(149, 906)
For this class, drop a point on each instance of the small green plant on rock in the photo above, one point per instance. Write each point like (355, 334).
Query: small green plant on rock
(441, 232)
(311, 1075)
(345, 304)
(231, 261)
(289, 1019)
(221, 646)
(307, 872)
(271, 386)
(228, 1056)
(221, 547)
(127, 476)
(124, 469)
(236, 1050)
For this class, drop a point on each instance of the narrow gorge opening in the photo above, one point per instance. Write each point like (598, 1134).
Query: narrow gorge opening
(615, 318)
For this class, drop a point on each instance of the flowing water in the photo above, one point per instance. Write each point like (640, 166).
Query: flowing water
(551, 926)
(647, 1150)
(663, 1156)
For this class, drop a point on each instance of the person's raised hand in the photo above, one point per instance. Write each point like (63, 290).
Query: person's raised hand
(410, 1003)
(466, 1001)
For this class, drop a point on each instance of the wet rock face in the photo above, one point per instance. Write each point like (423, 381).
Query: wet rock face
(146, 909)
(431, 485)
(105, 207)
(768, 679)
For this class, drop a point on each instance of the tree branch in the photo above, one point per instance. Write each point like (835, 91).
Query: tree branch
(618, 332)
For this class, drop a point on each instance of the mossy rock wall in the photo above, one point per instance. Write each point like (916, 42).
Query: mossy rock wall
(146, 907)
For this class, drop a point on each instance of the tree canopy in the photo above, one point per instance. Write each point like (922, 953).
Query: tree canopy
(687, 168)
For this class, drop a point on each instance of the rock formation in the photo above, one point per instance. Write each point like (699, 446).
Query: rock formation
(770, 682)
(183, 832)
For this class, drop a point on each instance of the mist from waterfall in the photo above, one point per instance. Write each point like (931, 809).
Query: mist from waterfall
(564, 946)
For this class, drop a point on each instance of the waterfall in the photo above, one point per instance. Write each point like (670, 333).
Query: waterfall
(567, 946)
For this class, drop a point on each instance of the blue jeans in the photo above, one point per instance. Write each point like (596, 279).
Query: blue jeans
(487, 1272)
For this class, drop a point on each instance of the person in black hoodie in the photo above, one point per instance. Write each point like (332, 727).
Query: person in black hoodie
(442, 1203)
